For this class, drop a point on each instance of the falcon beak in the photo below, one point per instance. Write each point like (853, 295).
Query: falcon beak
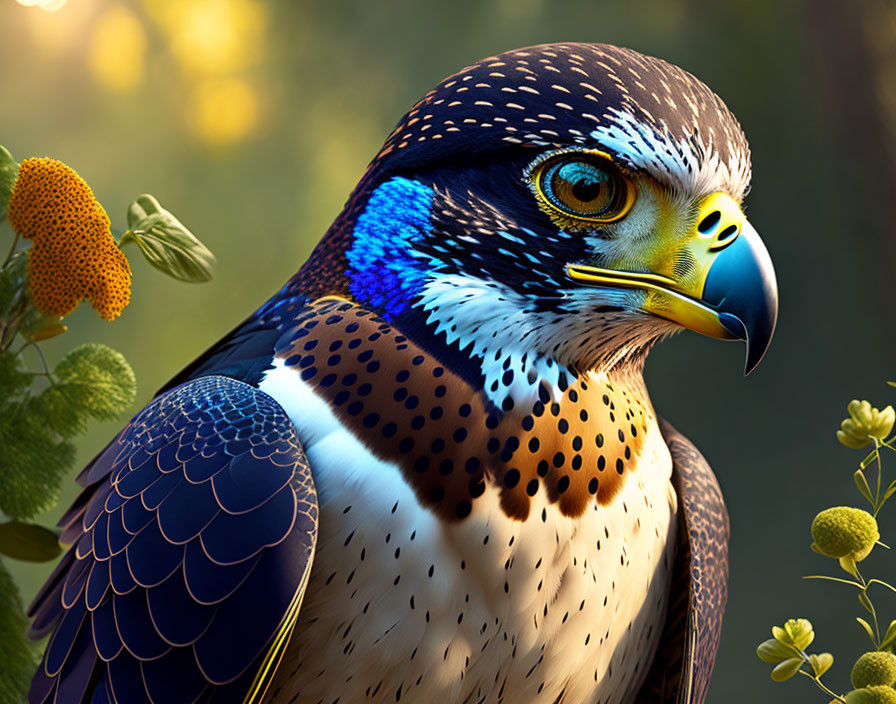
(728, 290)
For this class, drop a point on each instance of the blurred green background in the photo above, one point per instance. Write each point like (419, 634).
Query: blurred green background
(253, 120)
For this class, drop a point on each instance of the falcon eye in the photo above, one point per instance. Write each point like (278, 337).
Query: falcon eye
(584, 186)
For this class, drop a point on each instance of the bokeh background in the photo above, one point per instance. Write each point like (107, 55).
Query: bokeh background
(252, 120)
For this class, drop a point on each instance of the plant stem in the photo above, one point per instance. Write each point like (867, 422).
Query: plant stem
(15, 241)
(871, 609)
(43, 360)
(822, 685)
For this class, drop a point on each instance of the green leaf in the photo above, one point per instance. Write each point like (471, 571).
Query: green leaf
(866, 602)
(781, 635)
(848, 564)
(787, 669)
(9, 171)
(773, 652)
(889, 637)
(864, 624)
(96, 380)
(873, 455)
(800, 632)
(17, 653)
(166, 244)
(33, 460)
(821, 663)
(890, 491)
(862, 484)
(28, 541)
(13, 377)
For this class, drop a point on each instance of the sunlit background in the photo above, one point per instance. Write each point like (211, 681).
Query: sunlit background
(252, 121)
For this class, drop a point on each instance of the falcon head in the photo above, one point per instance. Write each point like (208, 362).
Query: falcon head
(563, 204)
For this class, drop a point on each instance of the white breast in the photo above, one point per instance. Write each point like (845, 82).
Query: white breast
(401, 606)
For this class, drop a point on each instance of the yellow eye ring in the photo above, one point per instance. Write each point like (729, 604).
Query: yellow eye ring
(583, 186)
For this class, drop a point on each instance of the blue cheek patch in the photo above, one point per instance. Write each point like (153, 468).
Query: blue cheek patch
(383, 272)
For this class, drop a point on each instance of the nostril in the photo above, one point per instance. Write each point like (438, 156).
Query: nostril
(727, 233)
(710, 221)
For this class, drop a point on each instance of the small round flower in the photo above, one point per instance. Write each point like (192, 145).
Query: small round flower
(843, 531)
(864, 423)
(874, 668)
(73, 256)
(876, 694)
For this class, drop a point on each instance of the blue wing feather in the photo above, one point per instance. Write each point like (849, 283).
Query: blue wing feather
(136, 628)
(229, 538)
(238, 489)
(120, 574)
(187, 510)
(174, 678)
(209, 582)
(151, 558)
(191, 516)
(105, 633)
(153, 496)
(176, 615)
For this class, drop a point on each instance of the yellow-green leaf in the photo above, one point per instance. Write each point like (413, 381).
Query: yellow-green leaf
(800, 632)
(867, 627)
(890, 491)
(9, 170)
(787, 669)
(773, 652)
(166, 244)
(29, 542)
(862, 484)
(95, 379)
(865, 602)
(781, 635)
(821, 663)
(889, 636)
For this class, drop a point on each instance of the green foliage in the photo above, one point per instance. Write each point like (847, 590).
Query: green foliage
(29, 542)
(17, 654)
(166, 244)
(95, 381)
(33, 459)
(9, 169)
(42, 409)
(848, 535)
(90, 382)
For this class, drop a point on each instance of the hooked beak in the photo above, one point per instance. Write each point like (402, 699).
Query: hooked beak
(730, 293)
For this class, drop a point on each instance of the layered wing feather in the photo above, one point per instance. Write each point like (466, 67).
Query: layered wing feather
(192, 544)
(684, 661)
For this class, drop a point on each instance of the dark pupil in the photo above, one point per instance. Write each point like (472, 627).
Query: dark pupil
(586, 190)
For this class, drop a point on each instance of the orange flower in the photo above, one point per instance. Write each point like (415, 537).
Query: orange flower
(74, 255)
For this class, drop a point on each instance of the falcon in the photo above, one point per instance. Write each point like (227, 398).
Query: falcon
(428, 468)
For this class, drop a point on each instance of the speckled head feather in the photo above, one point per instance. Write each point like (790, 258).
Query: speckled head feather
(650, 115)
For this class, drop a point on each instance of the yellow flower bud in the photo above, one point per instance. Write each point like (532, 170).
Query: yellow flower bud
(843, 531)
(73, 255)
(874, 668)
(876, 694)
(864, 423)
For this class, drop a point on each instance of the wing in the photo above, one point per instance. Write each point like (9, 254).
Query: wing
(681, 671)
(192, 544)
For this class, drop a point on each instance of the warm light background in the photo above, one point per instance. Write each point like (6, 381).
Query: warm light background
(252, 121)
